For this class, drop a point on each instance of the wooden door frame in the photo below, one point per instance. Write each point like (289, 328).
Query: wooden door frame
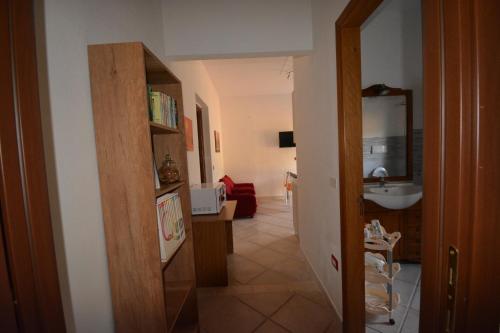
(348, 45)
(201, 143)
(25, 219)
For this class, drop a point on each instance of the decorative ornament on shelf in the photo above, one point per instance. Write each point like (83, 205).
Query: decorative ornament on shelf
(168, 172)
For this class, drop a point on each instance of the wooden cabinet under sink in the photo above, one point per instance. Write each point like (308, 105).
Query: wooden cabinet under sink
(407, 221)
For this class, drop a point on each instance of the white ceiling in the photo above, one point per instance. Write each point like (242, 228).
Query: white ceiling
(251, 76)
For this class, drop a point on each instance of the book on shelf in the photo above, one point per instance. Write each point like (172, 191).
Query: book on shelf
(171, 230)
(162, 108)
(156, 175)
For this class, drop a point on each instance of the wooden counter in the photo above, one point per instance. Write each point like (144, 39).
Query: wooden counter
(213, 240)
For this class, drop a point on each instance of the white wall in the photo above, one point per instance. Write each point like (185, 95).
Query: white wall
(198, 87)
(391, 50)
(69, 26)
(204, 29)
(64, 29)
(251, 147)
(315, 120)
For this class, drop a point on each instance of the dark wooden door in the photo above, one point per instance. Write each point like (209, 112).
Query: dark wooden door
(461, 156)
(201, 144)
(28, 272)
(8, 322)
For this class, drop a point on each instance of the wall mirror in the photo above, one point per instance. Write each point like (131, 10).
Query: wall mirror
(387, 133)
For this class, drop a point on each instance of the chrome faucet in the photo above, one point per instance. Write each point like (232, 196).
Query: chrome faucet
(382, 173)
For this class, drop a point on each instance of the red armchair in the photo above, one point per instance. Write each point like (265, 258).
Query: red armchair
(244, 194)
(239, 187)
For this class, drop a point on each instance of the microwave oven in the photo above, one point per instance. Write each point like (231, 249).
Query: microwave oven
(207, 198)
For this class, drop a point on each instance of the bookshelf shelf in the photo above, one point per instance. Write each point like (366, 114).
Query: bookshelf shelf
(147, 295)
(168, 188)
(179, 292)
(156, 128)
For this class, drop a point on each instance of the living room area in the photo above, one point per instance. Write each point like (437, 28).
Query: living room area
(270, 285)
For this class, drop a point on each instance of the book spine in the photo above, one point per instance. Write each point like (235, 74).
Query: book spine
(169, 111)
(176, 115)
(163, 109)
(150, 108)
(156, 107)
(159, 214)
(155, 175)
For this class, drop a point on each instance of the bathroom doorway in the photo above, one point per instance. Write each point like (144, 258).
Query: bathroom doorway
(392, 141)
(453, 142)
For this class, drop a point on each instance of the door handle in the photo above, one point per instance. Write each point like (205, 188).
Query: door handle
(451, 288)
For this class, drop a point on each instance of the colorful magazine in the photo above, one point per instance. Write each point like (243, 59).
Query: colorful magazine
(170, 224)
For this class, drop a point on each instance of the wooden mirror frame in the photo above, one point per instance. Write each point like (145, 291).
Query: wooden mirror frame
(381, 90)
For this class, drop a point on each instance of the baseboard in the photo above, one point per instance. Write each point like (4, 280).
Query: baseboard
(276, 197)
(322, 285)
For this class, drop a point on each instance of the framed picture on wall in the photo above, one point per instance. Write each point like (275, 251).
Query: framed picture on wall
(217, 141)
(188, 129)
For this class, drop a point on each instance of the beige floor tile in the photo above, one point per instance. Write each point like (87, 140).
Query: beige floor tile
(266, 257)
(270, 277)
(270, 327)
(299, 315)
(269, 218)
(336, 326)
(262, 239)
(316, 296)
(296, 269)
(244, 248)
(265, 303)
(287, 247)
(244, 232)
(277, 230)
(305, 286)
(226, 314)
(270, 288)
(283, 216)
(242, 269)
(266, 273)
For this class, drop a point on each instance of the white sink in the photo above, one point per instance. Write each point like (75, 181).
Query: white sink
(394, 196)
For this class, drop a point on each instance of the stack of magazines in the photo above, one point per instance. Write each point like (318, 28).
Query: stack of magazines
(170, 224)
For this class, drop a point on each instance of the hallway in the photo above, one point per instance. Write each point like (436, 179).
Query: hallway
(271, 287)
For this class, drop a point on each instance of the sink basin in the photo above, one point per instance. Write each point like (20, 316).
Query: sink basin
(394, 196)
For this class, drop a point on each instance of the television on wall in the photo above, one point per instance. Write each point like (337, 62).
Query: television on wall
(286, 139)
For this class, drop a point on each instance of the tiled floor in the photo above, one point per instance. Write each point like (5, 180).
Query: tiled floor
(406, 315)
(272, 287)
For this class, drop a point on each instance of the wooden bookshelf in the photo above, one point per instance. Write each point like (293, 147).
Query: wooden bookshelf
(156, 128)
(168, 188)
(148, 295)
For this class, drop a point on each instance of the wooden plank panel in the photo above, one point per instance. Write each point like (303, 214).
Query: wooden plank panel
(127, 189)
(210, 253)
(351, 175)
(483, 308)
